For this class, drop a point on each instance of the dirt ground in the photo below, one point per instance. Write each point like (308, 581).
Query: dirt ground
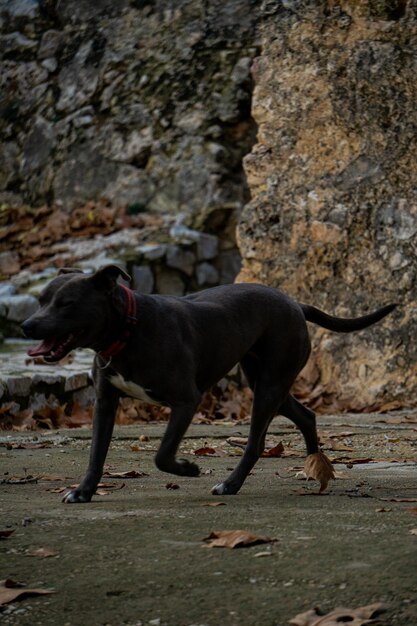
(136, 555)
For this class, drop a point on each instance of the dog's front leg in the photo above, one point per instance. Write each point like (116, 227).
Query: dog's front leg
(103, 421)
(165, 460)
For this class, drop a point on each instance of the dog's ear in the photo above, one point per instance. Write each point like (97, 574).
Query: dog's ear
(106, 278)
(69, 270)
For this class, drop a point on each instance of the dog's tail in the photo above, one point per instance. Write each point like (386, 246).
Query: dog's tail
(341, 324)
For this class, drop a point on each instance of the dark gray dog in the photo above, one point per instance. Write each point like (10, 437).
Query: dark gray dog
(169, 350)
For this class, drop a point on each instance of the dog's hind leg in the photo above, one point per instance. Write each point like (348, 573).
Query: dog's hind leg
(304, 419)
(266, 404)
(165, 460)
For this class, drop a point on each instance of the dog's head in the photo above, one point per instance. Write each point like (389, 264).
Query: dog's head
(74, 312)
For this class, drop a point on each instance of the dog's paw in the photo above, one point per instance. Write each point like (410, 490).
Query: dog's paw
(223, 489)
(186, 468)
(76, 496)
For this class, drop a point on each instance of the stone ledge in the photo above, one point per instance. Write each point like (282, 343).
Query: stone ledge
(25, 383)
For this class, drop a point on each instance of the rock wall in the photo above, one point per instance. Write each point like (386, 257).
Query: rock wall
(333, 178)
(146, 103)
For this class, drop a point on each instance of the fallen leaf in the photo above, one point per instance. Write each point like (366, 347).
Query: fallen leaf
(348, 461)
(127, 474)
(51, 477)
(399, 499)
(338, 446)
(318, 466)
(354, 617)
(56, 489)
(20, 481)
(206, 451)
(24, 446)
(6, 533)
(11, 590)
(234, 539)
(383, 510)
(275, 452)
(43, 553)
(216, 503)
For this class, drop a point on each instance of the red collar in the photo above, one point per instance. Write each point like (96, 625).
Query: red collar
(130, 321)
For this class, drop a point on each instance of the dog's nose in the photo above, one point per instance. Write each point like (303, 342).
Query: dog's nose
(27, 328)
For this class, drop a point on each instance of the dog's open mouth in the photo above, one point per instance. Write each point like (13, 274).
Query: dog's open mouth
(55, 348)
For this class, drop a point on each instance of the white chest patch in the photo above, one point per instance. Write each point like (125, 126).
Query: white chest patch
(132, 389)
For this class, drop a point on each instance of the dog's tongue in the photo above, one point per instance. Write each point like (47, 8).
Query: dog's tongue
(43, 348)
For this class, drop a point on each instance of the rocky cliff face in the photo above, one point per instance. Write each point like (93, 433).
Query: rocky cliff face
(333, 215)
(149, 104)
(144, 103)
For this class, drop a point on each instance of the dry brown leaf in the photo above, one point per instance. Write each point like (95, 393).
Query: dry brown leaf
(57, 489)
(11, 591)
(346, 460)
(200, 418)
(354, 617)
(234, 539)
(127, 474)
(318, 466)
(51, 477)
(399, 499)
(206, 451)
(43, 553)
(274, 452)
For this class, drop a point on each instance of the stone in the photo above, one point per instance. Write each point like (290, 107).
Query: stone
(76, 381)
(7, 289)
(50, 44)
(85, 397)
(9, 165)
(83, 175)
(230, 263)
(17, 43)
(22, 9)
(152, 251)
(206, 274)
(333, 206)
(207, 247)
(181, 259)
(77, 81)
(143, 279)
(39, 401)
(37, 146)
(18, 386)
(169, 282)
(19, 307)
(50, 64)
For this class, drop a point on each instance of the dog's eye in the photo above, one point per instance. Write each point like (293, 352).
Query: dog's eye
(62, 304)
